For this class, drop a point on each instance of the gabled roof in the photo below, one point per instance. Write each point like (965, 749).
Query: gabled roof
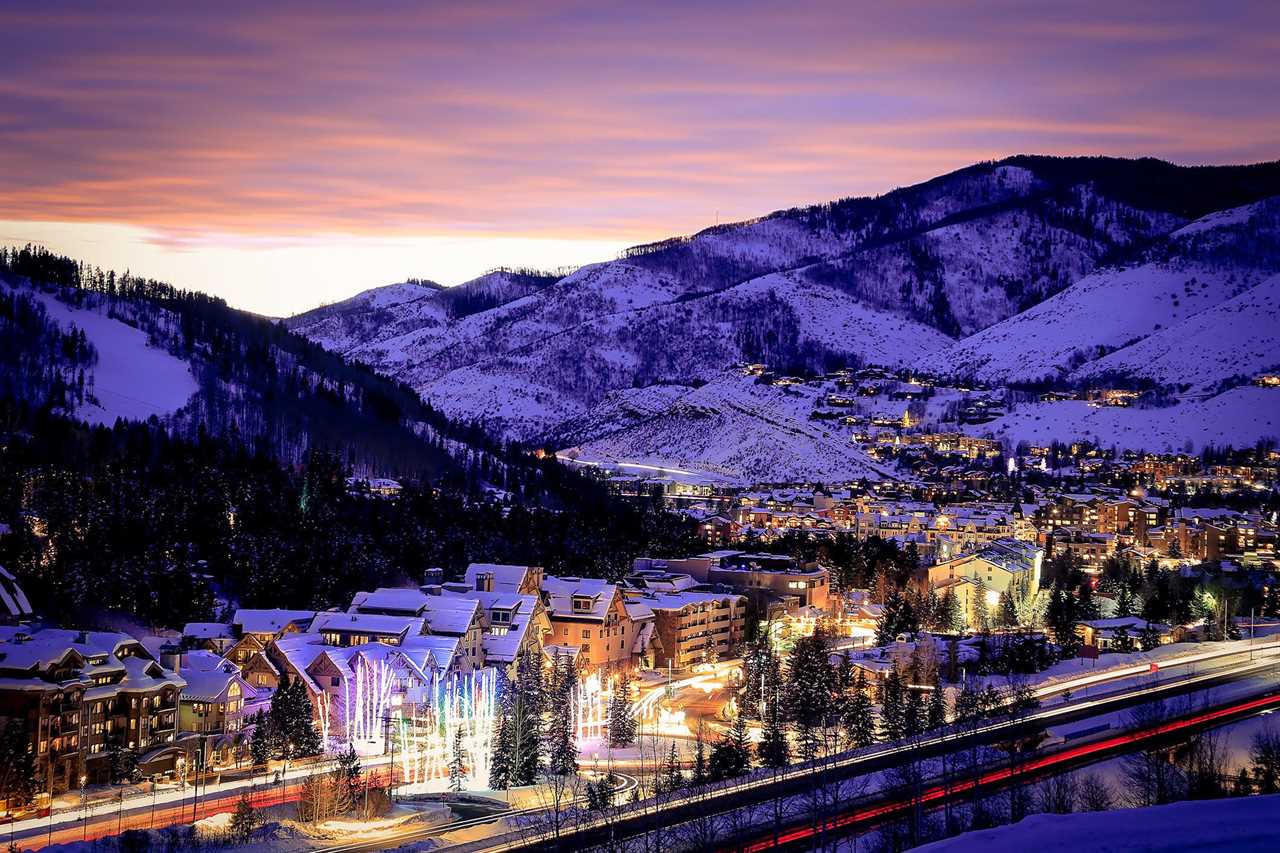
(449, 614)
(560, 592)
(270, 621)
(392, 600)
(211, 685)
(371, 623)
(506, 577)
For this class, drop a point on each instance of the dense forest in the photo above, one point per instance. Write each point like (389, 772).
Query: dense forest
(135, 522)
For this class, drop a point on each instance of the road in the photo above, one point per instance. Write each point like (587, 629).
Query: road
(767, 787)
(886, 807)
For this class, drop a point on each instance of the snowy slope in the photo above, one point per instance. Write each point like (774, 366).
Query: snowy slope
(1241, 825)
(132, 379)
(1240, 417)
(740, 430)
(1236, 338)
(1185, 291)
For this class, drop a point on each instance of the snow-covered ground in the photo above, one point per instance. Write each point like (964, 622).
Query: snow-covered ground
(742, 431)
(1238, 417)
(1242, 825)
(132, 379)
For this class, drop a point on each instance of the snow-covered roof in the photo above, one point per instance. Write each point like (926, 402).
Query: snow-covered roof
(450, 614)
(271, 621)
(12, 596)
(211, 685)
(208, 631)
(50, 645)
(371, 623)
(560, 592)
(506, 577)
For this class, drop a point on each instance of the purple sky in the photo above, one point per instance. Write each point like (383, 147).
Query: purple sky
(433, 140)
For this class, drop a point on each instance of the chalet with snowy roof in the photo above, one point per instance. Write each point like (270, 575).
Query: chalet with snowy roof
(591, 614)
(216, 702)
(499, 577)
(216, 637)
(1005, 565)
(513, 624)
(449, 616)
(81, 693)
(356, 629)
(1121, 633)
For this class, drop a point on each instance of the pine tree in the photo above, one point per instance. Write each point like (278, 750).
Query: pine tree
(1148, 638)
(347, 777)
(731, 756)
(244, 820)
(948, 616)
(502, 755)
(457, 770)
(1125, 604)
(291, 718)
(936, 714)
(1007, 616)
(893, 706)
(913, 713)
(672, 777)
(808, 695)
(562, 748)
(857, 720)
(773, 749)
(526, 720)
(700, 753)
(622, 726)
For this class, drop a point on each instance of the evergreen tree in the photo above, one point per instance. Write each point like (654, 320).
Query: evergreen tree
(700, 770)
(264, 741)
(622, 726)
(347, 777)
(897, 616)
(17, 764)
(457, 770)
(809, 688)
(244, 820)
(1007, 615)
(936, 713)
(290, 716)
(949, 618)
(893, 706)
(526, 720)
(1148, 638)
(1125, 603)
(856, 717)
(562, 747)
(672, 777)
(913, 712)
(773, 749)
(502, 755)
(731, 756)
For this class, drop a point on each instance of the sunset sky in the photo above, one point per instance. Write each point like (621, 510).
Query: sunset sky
(285, 158)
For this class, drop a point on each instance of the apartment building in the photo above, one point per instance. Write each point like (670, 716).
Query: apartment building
(590, 614)
(81, 694)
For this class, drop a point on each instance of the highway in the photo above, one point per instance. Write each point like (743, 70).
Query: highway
(886, 806)
(765, 786)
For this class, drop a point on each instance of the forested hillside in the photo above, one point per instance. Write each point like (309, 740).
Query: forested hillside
(131, 521)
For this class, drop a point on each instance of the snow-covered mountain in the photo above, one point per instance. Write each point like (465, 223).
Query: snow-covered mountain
(1028, 268)
(1193, 310)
